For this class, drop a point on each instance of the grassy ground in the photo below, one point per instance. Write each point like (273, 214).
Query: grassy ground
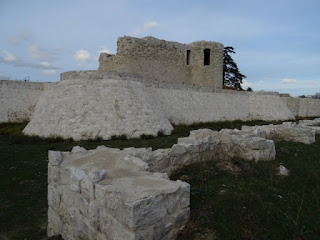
(251, 203)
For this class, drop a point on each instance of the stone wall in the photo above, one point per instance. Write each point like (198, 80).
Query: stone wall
(87, 105)
(163, 61)
(18, 99)
(303, 107)
(200, 105)
(91, 104)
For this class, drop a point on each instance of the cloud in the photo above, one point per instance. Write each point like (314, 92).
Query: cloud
(147, 26)
(289, 80)
(82, 56)
(151, 25)
(23, 37)
(8, 57)
(246, 84)
(105, 50)
(45, 64)
(49, 72)
(38, 53)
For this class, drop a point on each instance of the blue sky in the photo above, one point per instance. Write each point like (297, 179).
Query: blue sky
(277, 43)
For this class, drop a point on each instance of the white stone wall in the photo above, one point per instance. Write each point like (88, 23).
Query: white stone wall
(189, 105)
(303, 107)
(18, 99)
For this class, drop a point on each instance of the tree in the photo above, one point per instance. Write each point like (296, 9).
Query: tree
(231, 74)
(316, 96)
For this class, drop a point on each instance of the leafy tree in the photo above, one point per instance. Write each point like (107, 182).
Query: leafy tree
(232, 77)
(316, 96)
(249, 89)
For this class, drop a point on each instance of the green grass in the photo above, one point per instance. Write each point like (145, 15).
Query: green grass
(255, 203)
(245, 205)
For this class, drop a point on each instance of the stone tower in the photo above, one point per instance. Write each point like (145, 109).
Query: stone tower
(197, 64)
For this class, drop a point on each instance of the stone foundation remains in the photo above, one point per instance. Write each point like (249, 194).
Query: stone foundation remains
(108, 194)
(126, 194)
(313, 124)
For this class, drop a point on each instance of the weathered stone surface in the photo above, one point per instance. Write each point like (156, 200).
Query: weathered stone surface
(312, 124)
(111, 106)
(283, 171)
(110, 195)
(126, 194)
(285, 132)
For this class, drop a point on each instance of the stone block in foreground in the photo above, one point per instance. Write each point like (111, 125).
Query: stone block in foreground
(108, 194)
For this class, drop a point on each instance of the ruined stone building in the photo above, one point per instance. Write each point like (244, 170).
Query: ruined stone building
(196, 64)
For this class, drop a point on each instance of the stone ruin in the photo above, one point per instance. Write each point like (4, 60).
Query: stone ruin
(147, 86)
(126, 194)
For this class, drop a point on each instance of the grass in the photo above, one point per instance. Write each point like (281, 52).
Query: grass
(253, 203)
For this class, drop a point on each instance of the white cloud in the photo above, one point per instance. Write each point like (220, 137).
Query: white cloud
(8, 57)
(23, 37)
(37, 53)
(49, 72)
(45, 64)
(151, 25)
(289, 80)
(82, 56)
(246, 84)
(105, 50)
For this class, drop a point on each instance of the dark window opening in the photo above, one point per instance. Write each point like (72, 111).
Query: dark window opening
(206, 53)
(188, 56)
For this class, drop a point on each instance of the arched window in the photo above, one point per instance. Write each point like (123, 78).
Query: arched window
(206, 54)
(188, 56)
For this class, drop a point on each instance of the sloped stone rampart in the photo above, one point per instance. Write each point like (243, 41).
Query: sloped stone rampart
(288, 131)
(88, 105)
(18, 99)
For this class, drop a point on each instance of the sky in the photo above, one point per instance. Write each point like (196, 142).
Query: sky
(277, 43)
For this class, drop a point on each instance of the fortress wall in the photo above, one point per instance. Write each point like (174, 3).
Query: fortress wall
(207, 75)
(189, 106)
(18, 99)
(303, 107)
(269, 107)
(100, 107)
(154, 59)
(162, 61)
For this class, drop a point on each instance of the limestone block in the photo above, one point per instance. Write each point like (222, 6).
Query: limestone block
(54, 223)
(110, 195)
(78, 149)
(285, 132)
(55, 157)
